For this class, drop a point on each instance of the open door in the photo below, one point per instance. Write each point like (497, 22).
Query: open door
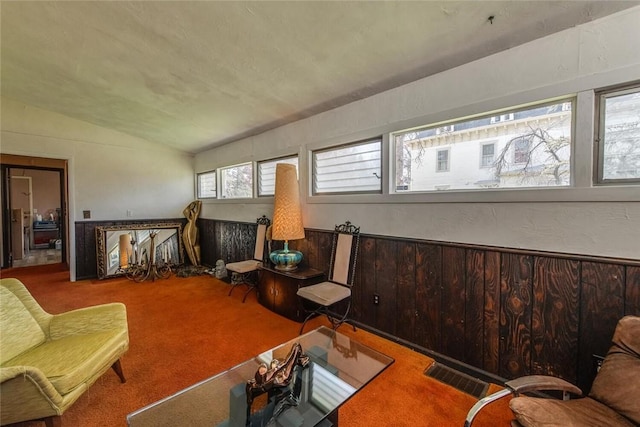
(38, 187)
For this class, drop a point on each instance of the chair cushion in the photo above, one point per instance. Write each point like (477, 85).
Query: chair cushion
(73, 360)
(20, 330)
(244, 266)
(617, 384)
(533, 411)
(325, 293)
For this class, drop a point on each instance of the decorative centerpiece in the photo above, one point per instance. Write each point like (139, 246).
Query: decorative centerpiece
(277, 375)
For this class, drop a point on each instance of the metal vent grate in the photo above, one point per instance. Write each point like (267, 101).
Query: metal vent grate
(459, 380)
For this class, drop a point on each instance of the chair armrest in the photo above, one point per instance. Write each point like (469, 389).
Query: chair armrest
(25, 388)
(99, 318)
(541, 382)
(523, 385)
(484, 402)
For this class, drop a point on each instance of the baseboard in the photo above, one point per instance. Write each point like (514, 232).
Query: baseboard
(441, 358)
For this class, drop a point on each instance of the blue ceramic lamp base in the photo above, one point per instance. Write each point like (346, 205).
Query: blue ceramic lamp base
(286, 259)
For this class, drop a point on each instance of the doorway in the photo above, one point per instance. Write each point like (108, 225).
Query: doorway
(34, 213)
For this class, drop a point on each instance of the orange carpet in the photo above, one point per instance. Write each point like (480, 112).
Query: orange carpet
(183, 330)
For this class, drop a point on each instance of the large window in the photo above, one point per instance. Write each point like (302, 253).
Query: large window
(619, 136)
(528, 147)
(236, 182)
(267, 174)
(353, 168)
(207, 185)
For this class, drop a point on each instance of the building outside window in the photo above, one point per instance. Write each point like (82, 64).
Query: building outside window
(521, 148)
(619, 136)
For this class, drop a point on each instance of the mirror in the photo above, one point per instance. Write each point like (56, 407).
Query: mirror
(121, 245)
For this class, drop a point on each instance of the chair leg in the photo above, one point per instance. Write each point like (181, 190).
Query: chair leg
(251, 288)
(238, 279)
(309, 316)
(337, 322)
(117, 367)
(54, 421)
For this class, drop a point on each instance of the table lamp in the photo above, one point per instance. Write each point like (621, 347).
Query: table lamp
(287, 217)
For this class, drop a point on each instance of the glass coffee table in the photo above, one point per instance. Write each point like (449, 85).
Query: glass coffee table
(338, 367)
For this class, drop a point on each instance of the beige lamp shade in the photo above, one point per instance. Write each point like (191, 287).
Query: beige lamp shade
(287, 215)
(125, 249)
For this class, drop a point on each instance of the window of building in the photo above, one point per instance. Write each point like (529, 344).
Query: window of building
(502, 118)
(523, 147)
(236, 182)
(442, 163)
(206, 185)
(352, 168)
(619, 136)
(267, 174)
(488, 155)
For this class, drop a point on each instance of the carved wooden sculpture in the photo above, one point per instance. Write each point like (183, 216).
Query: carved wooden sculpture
(190, 232)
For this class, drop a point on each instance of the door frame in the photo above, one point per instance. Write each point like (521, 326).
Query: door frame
(8, 161)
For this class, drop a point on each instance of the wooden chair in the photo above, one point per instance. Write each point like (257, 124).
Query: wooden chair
(245, 272)
(328, 297)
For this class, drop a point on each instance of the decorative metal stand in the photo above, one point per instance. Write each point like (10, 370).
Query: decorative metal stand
(140, 272)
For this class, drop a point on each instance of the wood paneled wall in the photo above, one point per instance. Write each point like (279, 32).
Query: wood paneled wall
(506, 312)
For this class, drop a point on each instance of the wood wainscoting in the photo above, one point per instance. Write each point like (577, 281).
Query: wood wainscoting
(507, 312)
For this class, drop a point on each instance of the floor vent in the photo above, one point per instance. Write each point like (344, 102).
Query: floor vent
(459, 380)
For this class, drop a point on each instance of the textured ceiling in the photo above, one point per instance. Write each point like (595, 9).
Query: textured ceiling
(196, 74)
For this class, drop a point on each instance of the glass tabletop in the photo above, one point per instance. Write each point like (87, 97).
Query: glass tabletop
(337, 368)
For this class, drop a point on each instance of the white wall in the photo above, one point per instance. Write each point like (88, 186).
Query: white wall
(110, 173)
(580, 220)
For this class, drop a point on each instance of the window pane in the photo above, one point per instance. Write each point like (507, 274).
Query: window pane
(620, 136)
(520, 148)
(354, 168)
(267, 174)
(207, 185)
(237, 181)
(443, 161)
(488, 155)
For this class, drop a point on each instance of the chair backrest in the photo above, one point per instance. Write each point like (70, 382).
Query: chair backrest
(344, 254)
(261, 233)
(618, 382)
(23, 322)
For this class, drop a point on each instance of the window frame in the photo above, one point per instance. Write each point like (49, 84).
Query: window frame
(277, 160)
(221, 170)
(517, 151)
(213, 172)
(563, 100)
(312, 173)
(447, 168)
(601, 96)
(483, 156)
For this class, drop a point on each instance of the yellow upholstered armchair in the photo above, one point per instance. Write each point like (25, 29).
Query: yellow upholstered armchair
(47, 361)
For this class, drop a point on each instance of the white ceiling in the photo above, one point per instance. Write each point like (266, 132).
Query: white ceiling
(196, 74)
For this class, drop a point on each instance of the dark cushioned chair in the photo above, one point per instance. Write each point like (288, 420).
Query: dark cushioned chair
(614, 399)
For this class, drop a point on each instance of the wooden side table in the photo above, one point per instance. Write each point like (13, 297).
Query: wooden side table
(277, 289)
